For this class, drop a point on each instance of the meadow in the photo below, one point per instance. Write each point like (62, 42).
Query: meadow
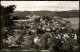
(74, 21)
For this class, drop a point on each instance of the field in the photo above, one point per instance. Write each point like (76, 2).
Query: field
(74, 21)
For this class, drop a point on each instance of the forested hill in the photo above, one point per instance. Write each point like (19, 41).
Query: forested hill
(68, 14)
(21, 13)
(64, 14)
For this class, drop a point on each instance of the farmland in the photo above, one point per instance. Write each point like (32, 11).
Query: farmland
(74, 21)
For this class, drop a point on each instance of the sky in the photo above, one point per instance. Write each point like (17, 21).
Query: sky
(43, 5)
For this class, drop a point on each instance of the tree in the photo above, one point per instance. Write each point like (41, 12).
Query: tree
(6, 21)
(15, 18)
(78, 36)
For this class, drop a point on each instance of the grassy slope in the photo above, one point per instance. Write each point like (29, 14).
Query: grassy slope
(74, 21)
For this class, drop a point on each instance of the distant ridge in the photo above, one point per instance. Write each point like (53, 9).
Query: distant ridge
(64, 14)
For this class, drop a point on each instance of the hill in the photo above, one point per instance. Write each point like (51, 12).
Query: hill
(68, 14)
(64, 14)
(21, 14)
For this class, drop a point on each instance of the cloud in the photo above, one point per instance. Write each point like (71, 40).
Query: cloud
(43, 5)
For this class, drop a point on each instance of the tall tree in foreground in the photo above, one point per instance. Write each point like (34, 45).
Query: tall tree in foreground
(6, 21)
